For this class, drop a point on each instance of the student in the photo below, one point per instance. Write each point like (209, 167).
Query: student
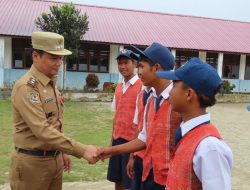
(135, 164)
(202, 160)
(160, 123)
(123, 128)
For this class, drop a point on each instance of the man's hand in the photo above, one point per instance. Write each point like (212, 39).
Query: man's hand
(130, 166)
(91, 154)
(67, 164)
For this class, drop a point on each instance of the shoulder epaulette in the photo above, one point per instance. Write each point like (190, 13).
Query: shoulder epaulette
(32, 82)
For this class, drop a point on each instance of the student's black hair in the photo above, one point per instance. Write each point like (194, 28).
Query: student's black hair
(151, 63)
(205, 101)
(40, 52)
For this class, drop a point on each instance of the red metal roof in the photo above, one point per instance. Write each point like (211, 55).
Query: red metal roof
(119, 26)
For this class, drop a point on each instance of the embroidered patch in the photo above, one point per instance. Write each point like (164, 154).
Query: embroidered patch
(48, 99)
(34, 97)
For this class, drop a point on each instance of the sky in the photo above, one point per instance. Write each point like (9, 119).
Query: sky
(222, 9)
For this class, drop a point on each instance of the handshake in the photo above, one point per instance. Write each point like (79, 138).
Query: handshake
(93, 154)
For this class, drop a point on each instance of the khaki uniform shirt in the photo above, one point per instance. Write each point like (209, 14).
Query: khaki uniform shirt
(37, 108)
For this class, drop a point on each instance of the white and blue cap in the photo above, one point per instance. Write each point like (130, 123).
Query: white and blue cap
(198, 75)
(127, 54)
(158, 53)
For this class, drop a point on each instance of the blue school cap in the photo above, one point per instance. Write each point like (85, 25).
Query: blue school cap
(127, 54)
(158, 53)
(197, 74)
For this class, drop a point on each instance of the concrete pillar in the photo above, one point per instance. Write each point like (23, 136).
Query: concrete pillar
(242, 66)
(203, 55)
(2, 42)
(173, 51)
(8, 53)
(112, 59)
(220, 64)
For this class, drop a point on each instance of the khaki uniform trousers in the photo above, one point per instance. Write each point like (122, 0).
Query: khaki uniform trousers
(36, 173)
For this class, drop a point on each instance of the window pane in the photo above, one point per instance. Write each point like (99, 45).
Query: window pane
(212, 59)
(104, 61)
(231, 65)
(247, 71)
(18, 60)
(93, 66)
(28, 57)
(71, 63)
(83, 61)
(183, 56)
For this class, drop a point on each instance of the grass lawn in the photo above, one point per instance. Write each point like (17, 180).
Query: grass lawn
(87, 122)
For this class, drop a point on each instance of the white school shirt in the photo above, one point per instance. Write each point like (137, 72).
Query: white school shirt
(135, 120)
(213, 158)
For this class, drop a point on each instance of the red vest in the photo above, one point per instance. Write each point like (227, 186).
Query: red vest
(181, 174)
(161, 127)
(140, 120)
(125, 109)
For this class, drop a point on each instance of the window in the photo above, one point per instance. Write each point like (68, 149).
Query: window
(231, 65)
(212, 59)
(247, 70)
(91, 58)
(183, 56)
(21, 53)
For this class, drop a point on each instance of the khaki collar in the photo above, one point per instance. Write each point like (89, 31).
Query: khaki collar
(40, 76)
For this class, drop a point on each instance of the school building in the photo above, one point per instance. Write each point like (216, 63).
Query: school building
(224, 44)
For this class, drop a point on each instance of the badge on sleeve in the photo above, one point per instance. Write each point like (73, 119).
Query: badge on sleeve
(34, 97)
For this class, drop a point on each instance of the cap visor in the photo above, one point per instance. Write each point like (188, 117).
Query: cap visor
(62, 52)
(125, 56)
(169, 75)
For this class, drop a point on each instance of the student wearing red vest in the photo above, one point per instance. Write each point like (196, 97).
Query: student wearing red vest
(161, 122)
(123, 128)
(135, 164)
(202, 160)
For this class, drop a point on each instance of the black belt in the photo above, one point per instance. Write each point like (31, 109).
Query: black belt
(38, 152)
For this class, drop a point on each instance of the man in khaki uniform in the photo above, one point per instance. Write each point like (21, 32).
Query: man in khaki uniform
(41, 149)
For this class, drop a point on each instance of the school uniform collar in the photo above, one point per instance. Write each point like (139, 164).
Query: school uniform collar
(165, 92)
(41, 77)
(132, 81)
(192, 123)
(146, 89)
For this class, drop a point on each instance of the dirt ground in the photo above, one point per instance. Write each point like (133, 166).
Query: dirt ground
(233, 121)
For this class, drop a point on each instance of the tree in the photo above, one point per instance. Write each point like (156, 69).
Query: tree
(67, 21)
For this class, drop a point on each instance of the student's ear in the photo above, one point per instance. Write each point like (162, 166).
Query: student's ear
(35, 56)
(158, 67)
(190, 93)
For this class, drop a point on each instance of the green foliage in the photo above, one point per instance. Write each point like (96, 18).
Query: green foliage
(227, 87)
(92, 80)
(67, 21)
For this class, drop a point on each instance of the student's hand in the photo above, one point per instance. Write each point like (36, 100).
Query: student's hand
(130, 166)
(91, 154)
(67, 164)
(105, 152)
